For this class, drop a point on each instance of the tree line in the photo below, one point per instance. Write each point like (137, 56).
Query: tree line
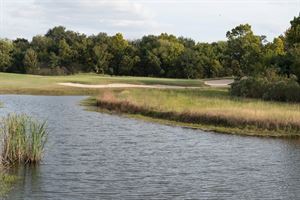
(244, 53)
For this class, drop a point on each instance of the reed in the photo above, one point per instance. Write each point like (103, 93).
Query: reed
(22, 139)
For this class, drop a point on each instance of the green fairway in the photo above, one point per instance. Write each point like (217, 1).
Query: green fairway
(48, 85)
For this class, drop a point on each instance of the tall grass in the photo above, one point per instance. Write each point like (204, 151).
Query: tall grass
(211, 107)
(22, 139)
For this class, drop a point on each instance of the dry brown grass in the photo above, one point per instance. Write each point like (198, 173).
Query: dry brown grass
(207, 108)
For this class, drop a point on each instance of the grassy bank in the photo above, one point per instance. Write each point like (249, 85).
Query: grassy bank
(48, 85)
(209, 109)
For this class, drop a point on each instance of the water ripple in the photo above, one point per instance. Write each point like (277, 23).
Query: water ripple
(99, 156)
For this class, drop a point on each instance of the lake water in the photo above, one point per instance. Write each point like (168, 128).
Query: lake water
(90, 155)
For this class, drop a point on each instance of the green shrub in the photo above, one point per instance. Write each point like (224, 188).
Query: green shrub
(23, 139)
(275, 88)
(250, 87)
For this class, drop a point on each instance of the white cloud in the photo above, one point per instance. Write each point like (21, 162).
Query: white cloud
(90, 16)
(203, 20)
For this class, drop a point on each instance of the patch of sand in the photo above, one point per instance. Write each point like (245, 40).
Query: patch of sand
(123, 85)
(212, 83)
(219, 83)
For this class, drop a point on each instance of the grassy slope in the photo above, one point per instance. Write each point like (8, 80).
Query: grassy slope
(47, 85)
(244, 115)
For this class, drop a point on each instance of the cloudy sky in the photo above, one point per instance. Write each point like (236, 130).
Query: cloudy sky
(202, 20)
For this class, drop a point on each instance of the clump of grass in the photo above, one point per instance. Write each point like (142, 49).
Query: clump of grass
(23, 139)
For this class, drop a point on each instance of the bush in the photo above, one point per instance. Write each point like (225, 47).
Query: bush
(249, 87)
(275, 89)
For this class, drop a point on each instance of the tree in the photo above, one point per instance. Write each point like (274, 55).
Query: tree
(292, 60)
(187, 42)
(294, 57)
(292, 35)
(53, 60)
(190, 66)
(151, 65)
(165, 55)
(30, 61)
(209, 59)
(168, 51)
(6, 48)
(273, 52)
(102, 58)
(41, 45)
(219, 49)
(127, 64)
(57, 33)
(278, 46)
(117, 47)
(64, 53)
(244, 49)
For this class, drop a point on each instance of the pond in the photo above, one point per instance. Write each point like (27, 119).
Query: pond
(91, 155)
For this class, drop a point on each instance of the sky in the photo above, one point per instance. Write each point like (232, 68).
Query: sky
(202, 20)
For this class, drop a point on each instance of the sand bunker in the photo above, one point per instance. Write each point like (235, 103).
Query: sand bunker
(212, 83)
(123, 85)
(219, 83)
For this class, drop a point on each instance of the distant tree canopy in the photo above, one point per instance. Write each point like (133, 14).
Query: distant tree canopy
(62, 51)
(6, 48)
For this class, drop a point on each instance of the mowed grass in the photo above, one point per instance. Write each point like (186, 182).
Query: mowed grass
(213, 108)
(48, 85)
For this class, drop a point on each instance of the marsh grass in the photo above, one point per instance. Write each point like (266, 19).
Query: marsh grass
(23, 140)
(210, 107)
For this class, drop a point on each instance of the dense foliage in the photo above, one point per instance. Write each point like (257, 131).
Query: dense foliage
(274, 87)
(278, 76)
(62, 51)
